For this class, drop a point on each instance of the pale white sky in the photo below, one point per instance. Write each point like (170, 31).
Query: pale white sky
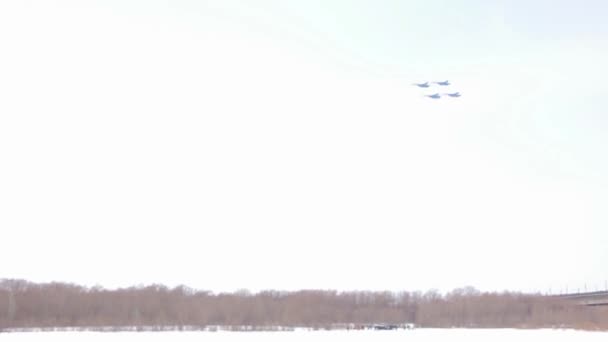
(280, 144)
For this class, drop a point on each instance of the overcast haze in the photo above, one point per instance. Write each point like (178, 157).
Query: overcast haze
(281, 144)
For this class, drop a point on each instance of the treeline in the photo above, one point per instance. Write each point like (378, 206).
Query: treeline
(29, 305)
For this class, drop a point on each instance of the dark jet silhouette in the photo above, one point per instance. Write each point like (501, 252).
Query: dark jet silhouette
(434, 96)
(422, 85)
(444, 83)
(456, 94)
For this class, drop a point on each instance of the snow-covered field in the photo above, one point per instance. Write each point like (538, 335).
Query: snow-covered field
(418, 335)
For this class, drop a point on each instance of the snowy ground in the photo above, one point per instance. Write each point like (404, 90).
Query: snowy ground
(418, 335)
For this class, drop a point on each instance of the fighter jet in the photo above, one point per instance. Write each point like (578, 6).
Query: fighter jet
(456, 94)
(444, 83)
(422, 85)
(434, 96)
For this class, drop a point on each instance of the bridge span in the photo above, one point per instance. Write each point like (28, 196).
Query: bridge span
(596, 298)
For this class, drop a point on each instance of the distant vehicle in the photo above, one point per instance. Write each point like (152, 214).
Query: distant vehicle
(456, 94)
(434, 96)
(444, 83)
(408, 325)
(385, 327)
(422, 85)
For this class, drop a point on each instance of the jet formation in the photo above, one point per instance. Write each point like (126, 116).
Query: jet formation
(437, 96)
